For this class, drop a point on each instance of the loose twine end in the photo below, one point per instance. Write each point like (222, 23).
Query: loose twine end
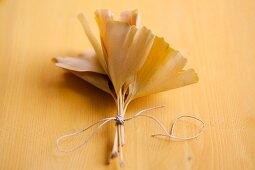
(121, 120)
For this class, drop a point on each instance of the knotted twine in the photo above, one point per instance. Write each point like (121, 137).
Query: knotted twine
(121, 120)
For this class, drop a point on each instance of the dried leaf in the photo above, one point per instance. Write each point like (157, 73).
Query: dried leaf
(93, 41)
(100, 81)
(86, 62)
(102, 17)
(162, 65)
(127, 48)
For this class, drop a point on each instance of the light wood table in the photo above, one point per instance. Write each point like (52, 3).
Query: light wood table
(39, 102)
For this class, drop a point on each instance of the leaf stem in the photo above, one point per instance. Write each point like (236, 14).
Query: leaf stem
(119, 139)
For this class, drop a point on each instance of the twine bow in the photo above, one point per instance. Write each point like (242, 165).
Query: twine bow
(121, 120)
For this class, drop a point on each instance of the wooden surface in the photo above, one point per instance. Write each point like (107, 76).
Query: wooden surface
(39, 102)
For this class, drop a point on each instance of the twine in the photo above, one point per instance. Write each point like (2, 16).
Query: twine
(121, 120)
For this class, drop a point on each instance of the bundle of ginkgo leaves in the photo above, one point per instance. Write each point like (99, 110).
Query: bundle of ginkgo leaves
(128, 62)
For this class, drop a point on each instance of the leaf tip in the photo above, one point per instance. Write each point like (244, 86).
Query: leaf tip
(196, 77)
(54, 60)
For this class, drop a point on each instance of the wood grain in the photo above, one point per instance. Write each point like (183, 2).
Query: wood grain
(39, 102)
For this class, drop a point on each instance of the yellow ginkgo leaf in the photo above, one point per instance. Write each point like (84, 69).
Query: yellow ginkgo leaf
(97, 47)
(127, 48)
(100, 81)
(162, 64)
(86, 62)
(102, 17)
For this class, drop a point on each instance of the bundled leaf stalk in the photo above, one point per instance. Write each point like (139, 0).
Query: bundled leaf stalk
(130, 62)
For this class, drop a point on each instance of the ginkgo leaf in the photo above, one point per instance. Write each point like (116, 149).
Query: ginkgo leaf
(181, 79)
(86, 62)
(102, 17)
(162, 65)
(131, 17)
(127, 48)
(100, 81)
(96, 45)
